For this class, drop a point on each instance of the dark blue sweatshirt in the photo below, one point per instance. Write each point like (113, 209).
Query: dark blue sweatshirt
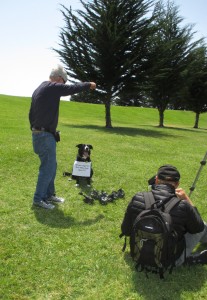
(44, 110)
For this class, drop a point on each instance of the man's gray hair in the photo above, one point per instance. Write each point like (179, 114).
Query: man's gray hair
(58, 71)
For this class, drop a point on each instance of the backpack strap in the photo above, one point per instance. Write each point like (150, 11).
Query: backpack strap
(171, 203)
(149, 199)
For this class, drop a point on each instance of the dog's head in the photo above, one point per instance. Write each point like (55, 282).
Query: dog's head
(84, 150)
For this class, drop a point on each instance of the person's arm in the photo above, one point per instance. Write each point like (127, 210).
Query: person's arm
(194, 222)
(71, 89)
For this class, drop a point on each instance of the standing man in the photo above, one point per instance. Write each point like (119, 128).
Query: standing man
(43, 117)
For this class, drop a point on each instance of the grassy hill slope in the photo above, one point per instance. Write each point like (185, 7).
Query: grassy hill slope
(74, 251)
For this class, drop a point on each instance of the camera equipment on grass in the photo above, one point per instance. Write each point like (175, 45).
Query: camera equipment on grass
(102, 196)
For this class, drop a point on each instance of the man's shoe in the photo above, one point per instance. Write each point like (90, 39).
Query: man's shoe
(43, 204)
(198, 258)
(55, 199)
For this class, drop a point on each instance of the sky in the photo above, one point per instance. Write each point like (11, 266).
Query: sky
(29, 29)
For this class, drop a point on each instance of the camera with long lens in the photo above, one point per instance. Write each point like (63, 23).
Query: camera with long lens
(151, 181)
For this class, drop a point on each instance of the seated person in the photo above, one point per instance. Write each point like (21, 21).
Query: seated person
(186, 219)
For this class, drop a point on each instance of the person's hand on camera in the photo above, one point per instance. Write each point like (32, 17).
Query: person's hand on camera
(181, 194)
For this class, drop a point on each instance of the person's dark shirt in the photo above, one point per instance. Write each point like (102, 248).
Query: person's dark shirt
(44, 110)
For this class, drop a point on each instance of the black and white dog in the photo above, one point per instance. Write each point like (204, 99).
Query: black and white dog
(84, 155)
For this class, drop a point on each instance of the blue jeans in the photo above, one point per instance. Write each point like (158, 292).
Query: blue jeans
(44, 146)
(192, 240)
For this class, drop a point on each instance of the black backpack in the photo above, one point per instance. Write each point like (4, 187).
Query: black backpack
(153, 240)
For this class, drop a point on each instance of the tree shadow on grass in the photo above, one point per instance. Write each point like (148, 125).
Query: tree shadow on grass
(193, 130)
(133, 131)
(182, 280)
(57, 219)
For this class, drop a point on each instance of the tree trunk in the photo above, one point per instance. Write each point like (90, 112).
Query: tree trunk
(161, 118)
(196, 120)
(108, 114)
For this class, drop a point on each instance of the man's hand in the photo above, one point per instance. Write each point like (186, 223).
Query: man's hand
(181, 194)
(92, 86)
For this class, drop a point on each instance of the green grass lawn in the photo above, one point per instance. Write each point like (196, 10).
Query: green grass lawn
(74, 251)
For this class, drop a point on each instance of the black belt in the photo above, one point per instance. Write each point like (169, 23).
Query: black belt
(39, 129)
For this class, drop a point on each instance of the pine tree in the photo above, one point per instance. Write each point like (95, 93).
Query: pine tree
(196, 82)
(170, 47)
(106, 42)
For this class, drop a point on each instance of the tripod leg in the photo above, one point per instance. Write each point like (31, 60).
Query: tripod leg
(203, 162)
